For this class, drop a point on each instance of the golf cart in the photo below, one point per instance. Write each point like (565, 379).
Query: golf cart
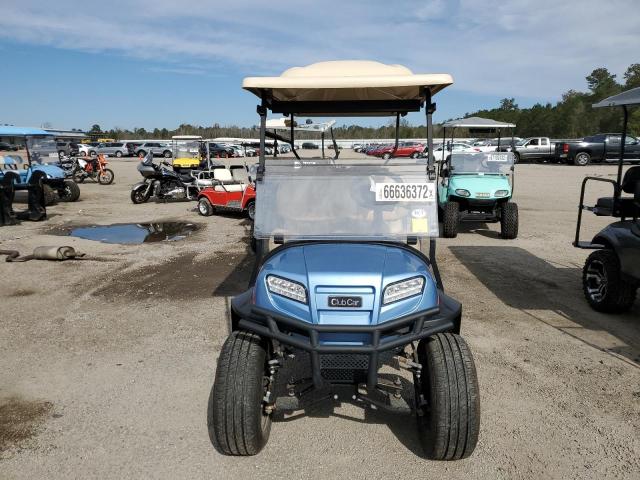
(346, 284)
(42, 156)
(476, 186)
(187, 152)
(611, 274)
(230, 189)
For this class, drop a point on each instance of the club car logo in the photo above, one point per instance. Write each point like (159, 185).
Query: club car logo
(418, 213)
(344, 302)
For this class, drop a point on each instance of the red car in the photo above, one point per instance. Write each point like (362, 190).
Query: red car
(405, 149)
(228, 192)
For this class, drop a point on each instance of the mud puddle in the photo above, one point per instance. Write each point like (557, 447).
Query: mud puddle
(129, 233)
(20, 420)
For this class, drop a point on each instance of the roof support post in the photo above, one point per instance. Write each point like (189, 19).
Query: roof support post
(262, 111)
(431, 107)
(397, 133)
(623, 140)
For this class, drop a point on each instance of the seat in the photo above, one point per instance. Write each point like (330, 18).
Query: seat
(628, 206)
(224, 181)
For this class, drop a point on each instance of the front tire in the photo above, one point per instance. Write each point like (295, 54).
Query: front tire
(140, 194)
(450, 219)
(386, 156)
(509, 221)
(204, 207)
(70, 192)
(449, 423)
(251, 210)
(602, 285)
(238, 424)
(106, 177)
(119, 154)
(582, 159)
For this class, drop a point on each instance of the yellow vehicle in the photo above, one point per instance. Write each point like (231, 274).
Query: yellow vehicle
(186, 151)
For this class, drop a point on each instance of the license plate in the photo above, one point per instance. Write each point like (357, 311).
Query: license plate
(498, 157)
(344, 302)
(483, 195)
(406, 192)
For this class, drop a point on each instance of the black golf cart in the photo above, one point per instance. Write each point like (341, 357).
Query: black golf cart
(611, 274)
(346, 276)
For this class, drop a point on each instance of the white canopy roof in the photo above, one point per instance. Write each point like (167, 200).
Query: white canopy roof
(476, 122)
(186, 137)
(347, 81)
(283, 124)
(630, 97)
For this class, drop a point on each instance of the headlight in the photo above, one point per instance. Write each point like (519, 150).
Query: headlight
(462, 192)
(287, 288)
(501, 193)
(403, 289)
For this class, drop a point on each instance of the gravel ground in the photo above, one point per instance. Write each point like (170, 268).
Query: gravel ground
(107, 363)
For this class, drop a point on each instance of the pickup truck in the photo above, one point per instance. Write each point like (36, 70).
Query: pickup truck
(537, 149)
(603, 147)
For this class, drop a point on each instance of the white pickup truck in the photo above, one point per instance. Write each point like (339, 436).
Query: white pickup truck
(534, 149)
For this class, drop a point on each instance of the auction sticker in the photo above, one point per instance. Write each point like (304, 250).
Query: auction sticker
(406, 192)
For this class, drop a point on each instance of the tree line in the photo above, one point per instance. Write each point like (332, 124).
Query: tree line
(571, 117)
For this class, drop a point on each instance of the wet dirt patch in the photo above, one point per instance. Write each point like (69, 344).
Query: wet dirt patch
(22, 292)
(184, 277)
(20, 420)
(129, 233)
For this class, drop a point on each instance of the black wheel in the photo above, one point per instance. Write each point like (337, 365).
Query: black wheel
(449, 398)
(140, 194)
(582, 159)
(414, 155)
(93, 154)
(386, 156)
(450, 219)
(78, 175)
(166, 154)
(141, 154)
(509, 221)
(237, 419)
(204, 207)
(516, 158)
(70, 192)
(251, 209)
(118, 154)
(603, 288)
(106, 177)
(49, 195)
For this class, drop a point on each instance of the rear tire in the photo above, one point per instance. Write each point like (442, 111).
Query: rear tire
(602, 286)
(450, 219)
(50, 196)
(582, 159)
(251, 209)
(119, 154)
(204, 207)
(70, 192)
(449, 424)
(386, 156)
(516, 158)
(236, 419)
(509, 221)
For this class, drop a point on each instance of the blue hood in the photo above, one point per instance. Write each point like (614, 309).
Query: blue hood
(345, 269)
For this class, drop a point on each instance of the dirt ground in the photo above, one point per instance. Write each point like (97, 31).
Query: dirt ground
(107, 363)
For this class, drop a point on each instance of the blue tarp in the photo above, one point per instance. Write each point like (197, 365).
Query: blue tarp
(22, 132)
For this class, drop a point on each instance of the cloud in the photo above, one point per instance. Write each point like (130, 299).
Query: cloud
(530, 48)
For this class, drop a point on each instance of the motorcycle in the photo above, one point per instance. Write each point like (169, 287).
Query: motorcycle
(95, 169)
(162, 183)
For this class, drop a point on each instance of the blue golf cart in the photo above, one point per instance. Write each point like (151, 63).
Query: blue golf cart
(346, 279)
(611, 273)
(42, 156)
(476, 184)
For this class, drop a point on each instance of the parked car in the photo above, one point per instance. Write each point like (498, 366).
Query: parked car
(330, 146)
(66, 148)
(7, 147)
(405, 149)
(357, 147)
(112, 149)
(221, 150)
(532, 149)
(132, 147)
(310, 146)
(160, 149)
(598, 148)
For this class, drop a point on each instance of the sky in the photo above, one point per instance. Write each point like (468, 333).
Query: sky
(160, 63)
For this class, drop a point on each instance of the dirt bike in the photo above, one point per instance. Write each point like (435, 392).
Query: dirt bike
(93, 169)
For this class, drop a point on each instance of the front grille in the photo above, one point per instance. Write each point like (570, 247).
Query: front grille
(343, 361)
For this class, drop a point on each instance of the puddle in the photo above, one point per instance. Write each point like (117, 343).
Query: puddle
(130, 233)
(19, 420)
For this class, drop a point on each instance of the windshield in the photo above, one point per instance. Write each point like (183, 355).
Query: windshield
(498, 163)
(43, 150)
(186, 149)
(352, 199)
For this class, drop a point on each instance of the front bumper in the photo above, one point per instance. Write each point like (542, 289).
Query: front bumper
(381, 337)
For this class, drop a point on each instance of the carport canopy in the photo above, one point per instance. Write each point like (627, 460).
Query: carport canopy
(6, 131)
(630, 97)
(477, 122)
